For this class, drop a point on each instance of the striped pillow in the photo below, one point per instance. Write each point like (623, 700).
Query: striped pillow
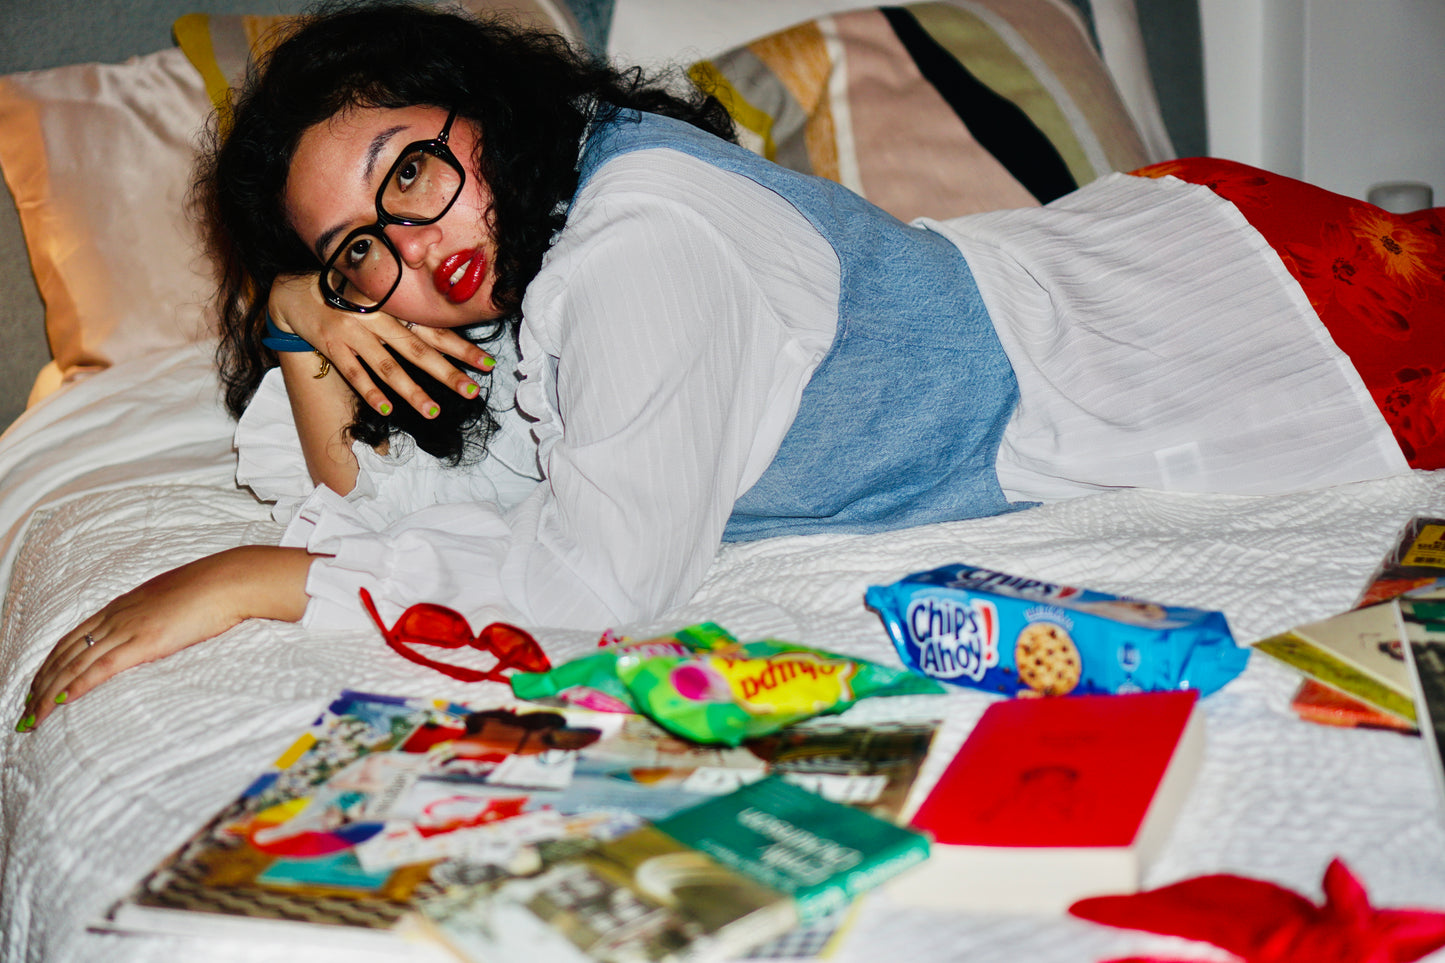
(936, 109)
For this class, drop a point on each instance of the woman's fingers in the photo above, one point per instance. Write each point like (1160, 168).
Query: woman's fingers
(450, 343)
(347, 357)
(44, 689)
(428, 348)
(354, 344)
(89, 654)
(80, 662)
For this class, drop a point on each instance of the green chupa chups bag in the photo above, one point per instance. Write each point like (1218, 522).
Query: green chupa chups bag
(730, 693)
(591, 682)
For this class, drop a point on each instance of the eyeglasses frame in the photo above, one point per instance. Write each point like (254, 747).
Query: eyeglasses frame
(438, 148)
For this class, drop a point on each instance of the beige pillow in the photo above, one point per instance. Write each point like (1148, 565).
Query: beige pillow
(98, 158)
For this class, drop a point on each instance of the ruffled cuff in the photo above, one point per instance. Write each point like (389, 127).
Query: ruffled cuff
(407, 480)
(447, 554)
(388, 487)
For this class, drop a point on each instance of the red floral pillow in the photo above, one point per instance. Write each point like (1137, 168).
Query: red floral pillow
(1376, 279)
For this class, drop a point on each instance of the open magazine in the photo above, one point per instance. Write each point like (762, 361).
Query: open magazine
(385, 803)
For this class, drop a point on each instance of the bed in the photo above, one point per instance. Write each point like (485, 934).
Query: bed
(123, 468)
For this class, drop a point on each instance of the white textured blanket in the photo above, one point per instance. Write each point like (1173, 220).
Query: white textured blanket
(129, 473)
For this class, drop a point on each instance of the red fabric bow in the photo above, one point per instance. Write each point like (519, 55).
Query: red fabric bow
(1264, 923)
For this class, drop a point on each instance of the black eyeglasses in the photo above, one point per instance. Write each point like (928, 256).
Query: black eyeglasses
(420, 188)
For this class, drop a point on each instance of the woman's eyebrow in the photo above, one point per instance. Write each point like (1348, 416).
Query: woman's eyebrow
(373, 151)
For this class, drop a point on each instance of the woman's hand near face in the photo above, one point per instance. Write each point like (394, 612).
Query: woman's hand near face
(184, 606)
(347, 339)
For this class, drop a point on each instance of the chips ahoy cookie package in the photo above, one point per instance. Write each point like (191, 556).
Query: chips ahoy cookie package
(1008, 634)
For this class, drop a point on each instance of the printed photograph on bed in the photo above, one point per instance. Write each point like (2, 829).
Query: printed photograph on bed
(387, 802)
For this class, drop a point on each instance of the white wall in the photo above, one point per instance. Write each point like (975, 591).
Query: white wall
(1344, 93)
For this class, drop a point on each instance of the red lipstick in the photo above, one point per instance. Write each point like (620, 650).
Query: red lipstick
(471, 264)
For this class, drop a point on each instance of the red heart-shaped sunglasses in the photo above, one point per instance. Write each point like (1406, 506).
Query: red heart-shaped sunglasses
(429, 624)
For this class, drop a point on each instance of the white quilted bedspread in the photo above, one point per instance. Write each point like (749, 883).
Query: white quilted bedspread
(129, 473)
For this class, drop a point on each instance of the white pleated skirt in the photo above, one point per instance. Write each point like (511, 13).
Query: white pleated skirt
(1160, 342)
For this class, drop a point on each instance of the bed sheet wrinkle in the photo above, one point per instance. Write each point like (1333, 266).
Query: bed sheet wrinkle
(156, 418)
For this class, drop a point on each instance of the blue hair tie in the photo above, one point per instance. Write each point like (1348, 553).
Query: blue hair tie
(278, 340)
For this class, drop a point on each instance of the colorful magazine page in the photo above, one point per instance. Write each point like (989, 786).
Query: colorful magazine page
(1416, 561)
(388, 801)
(871, 767)
(1317, 702)
(817, 939)
(283, 853)
(355, 822)
(1357, 652)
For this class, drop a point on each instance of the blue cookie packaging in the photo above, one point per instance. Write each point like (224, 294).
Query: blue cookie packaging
(1008, 634)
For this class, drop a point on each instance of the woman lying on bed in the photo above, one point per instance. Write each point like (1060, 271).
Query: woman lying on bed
(712, 347)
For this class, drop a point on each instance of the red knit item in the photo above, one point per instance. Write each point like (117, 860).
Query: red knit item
(1261, 922)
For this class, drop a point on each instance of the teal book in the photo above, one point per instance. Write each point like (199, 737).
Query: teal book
(822, 854)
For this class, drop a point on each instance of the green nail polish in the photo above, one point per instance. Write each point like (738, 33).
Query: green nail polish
(385, 408)
(470, 391)
(60, 699)
(26, 724)
(433, 411)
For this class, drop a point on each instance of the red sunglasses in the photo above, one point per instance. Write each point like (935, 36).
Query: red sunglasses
(429, 624)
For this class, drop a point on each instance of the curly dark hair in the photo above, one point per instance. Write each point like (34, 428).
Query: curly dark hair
(531, 96)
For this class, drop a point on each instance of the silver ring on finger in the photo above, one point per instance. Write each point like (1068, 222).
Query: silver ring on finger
(408, 324)
(89, 640)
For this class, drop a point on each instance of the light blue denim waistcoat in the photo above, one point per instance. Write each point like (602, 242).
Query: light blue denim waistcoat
(900, 423)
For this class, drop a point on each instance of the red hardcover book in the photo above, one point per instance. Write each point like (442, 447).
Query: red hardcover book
(1051, 800)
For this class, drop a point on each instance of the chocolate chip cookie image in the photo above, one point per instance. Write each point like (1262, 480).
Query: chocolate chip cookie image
(1047, 659)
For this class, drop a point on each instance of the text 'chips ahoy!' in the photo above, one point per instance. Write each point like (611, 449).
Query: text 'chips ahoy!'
(1008, 634)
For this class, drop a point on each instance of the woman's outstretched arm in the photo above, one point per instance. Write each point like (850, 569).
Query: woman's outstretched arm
(184, 606)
